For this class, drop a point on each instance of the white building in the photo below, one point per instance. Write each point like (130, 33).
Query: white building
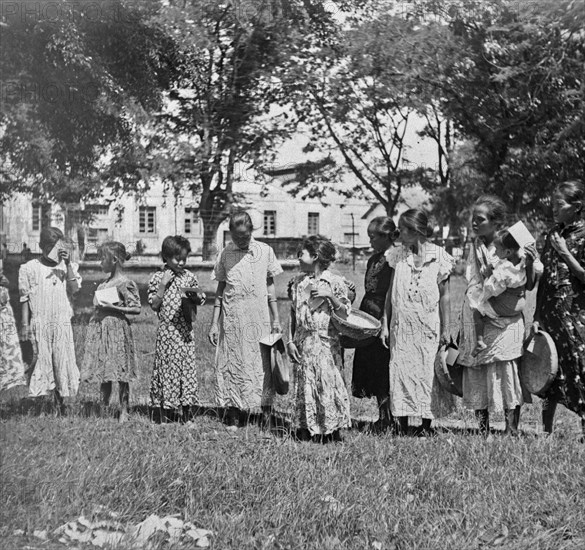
(144, 223)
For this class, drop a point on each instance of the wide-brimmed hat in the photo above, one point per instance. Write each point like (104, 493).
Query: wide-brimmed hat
(274, 351)
(539, 363)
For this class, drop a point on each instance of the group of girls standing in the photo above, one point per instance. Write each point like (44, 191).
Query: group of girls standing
(406, 288)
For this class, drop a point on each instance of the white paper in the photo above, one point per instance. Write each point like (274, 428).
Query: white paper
(271, 339)
(521, 234)
(54, 254)
(452, 355)
(109, 295)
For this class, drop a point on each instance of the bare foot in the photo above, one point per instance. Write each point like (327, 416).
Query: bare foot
(123, 416)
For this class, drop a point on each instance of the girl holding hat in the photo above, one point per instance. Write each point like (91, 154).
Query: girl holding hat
(417, 304)
(46, 286)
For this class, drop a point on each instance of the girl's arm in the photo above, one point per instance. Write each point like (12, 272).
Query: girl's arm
(387, 313)
(213, 334)
(157, 298)
(291, 347)
(445, 310)
(127, 310)
(533, 267)
(25, 321)
(273, 304)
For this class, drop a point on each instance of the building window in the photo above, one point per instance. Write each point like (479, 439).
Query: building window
(313, 223)
(96, 236)
(36, 217)
(147, 219)
(269, 223)
(348, 237)
(98, 209)
(191, 220)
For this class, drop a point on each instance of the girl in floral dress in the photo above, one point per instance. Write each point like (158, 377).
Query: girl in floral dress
(370, 364)
(11, 365)
(560, 306)
(418, 305)
(322, 401)
(245, 311)
(110, 354)
(174, 378)
(46, 286)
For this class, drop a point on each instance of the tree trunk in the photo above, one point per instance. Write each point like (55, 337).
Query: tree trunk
(210, 249)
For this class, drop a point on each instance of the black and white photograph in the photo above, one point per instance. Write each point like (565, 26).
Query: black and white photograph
(292, 274)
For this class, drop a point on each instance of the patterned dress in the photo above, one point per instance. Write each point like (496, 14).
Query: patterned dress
(242, 379)
(44, 288)
(174, 377)
(561, 307)
(415, 331)
(110, 354)
(11, 365)
(490, 380)
(370, 363)
(322, 404)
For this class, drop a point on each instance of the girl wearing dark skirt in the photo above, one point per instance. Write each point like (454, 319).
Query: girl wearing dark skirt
(560, 304)
(370, 364)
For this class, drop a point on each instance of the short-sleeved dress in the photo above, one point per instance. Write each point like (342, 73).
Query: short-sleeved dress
(490, 379)
(561, 307)
(11, 365)
(45, 289)
(415, 331)
(370, 363)
(174, 377)
(110, 354)
(322, 400)
(242, 380)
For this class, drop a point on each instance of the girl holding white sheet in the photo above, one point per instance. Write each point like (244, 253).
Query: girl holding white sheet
(110, 354)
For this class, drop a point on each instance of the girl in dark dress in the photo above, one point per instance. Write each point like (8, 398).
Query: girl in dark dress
(370, 364)
(560, 305)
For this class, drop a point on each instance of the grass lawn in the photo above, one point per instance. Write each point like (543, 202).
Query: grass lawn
(260, 491)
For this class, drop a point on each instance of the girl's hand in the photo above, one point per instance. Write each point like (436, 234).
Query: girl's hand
(385, 335)
(167, 277)
(65, 256)
(535, 328)
(321, 292)
(559, 244)
(214, 334)
(445, 338)
(293, 352)
(106, 305)
(276, 328)
(202, 297)
(531, 253)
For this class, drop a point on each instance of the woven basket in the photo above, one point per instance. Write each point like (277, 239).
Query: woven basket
(349, 343)
(356, 331)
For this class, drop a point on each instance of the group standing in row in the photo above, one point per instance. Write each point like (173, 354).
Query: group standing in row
(406, 288)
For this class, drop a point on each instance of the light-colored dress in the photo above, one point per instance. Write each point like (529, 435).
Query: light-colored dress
(174, 376)
(11, 365)
(415, 331)
(242, 380)
(44, 288)
(490, 381)
(110, 354)
(322, 404)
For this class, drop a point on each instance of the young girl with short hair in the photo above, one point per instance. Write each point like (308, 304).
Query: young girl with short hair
(171, 294)
(46, 286)
(110, 354)
(322, 401)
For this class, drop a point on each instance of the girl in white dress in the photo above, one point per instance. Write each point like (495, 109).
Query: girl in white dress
(418, 302)
(46, 286)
